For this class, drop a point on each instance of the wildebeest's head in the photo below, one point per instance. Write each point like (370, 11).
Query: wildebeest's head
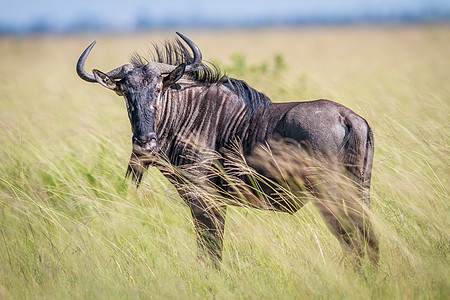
(142, 87)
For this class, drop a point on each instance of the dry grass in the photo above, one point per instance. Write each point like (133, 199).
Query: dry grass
(71, 227)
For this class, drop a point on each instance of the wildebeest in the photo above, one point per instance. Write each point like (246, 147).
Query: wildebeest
(182, 109)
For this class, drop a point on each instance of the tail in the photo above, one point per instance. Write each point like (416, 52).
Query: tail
(367, 167)
(357, 152)
(358, 158)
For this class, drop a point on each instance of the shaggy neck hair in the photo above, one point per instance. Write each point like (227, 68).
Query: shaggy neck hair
(175, 53)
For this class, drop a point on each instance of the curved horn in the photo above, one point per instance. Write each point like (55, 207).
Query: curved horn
(114, 74)
(195, 50)
(80, 65)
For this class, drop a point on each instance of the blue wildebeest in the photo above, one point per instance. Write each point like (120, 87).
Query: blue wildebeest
(181, 108)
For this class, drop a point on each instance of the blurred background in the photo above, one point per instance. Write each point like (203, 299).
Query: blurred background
(71, 227)
(54, 16)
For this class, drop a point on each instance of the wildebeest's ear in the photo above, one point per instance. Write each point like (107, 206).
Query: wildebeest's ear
(105, 80)
(173, 76)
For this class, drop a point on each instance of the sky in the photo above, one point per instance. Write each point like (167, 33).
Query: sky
(79, 15)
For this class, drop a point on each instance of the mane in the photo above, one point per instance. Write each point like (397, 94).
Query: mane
(253, 99)
(175, 53)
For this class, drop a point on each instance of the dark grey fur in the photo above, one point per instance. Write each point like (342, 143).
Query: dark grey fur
(182, 111)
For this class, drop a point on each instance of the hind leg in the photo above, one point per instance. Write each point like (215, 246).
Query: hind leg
(341, 227)
(351, 226)
(372, 244)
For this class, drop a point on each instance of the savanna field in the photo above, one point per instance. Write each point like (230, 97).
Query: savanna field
(71, 226)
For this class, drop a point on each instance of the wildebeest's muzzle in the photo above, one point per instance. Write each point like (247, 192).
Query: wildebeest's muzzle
(145, 143)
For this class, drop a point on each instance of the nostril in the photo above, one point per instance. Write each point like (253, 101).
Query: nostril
(137, 141)
(151, 136)
(146, 142)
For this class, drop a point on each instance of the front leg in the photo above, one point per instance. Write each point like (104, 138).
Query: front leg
(209, 225)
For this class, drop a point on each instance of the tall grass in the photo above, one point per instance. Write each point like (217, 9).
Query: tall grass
(71, 226)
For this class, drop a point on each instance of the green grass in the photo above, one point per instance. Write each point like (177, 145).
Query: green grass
(71, 226)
